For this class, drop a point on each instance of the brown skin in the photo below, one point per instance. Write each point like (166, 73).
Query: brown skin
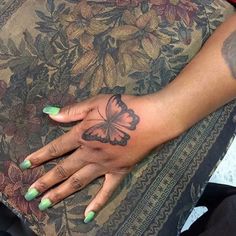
(204, 85)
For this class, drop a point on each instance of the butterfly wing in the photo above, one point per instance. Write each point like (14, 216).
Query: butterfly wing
(106, 134)
(115, 106)
(118, 113)
(98, 132)
(117, 136)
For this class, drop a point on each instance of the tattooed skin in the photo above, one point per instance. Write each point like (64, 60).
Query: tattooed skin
(113, 128)
(229, 52)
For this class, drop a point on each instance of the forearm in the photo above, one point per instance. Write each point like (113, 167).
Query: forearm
(206, 83)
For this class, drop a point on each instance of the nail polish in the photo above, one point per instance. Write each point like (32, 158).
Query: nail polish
(31, 194)
(89, 217)
(26, 164)
(44, 204)
(50, 110)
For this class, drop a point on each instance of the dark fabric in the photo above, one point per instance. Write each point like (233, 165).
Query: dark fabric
(221, 215)
(7, 218)
(222, 221)
(50, 52)
(214, 194)
(11, 224)
(3, 233)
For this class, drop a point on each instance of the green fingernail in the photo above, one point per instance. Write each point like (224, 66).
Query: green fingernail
(44, 204)
(51, 110)
(26, 164)
(31, 194)
(89, 217)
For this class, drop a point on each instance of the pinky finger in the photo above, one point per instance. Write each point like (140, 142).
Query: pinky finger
(109, 186)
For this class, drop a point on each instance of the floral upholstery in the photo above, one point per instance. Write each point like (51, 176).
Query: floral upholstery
(59, 52)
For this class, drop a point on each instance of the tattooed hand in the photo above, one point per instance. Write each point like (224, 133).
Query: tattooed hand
(114, 134)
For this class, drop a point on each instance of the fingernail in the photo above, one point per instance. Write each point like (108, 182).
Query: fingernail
(31, 194)
(89, 217)
(26, 164)
(44, 204)
(50, 110)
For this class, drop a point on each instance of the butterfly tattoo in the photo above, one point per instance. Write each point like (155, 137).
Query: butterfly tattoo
(113, 128)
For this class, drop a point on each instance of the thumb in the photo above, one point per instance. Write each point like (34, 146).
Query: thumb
(74, 112)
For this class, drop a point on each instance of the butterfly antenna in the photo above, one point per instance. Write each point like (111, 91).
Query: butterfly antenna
(101, 114)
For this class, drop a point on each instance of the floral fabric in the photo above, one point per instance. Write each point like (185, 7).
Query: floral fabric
(60, 52)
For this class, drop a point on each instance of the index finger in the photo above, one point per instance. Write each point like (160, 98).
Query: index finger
(63, 144)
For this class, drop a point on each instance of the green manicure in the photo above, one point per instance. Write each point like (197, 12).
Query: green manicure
(26, 164)
(31, 194)
(45, 204)
(89, 217)
(50, 110)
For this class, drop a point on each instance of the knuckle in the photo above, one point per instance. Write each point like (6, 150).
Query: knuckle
(56, 196)
(98, 205)
(54, 149)
(76, 183)
(104, 158)
(35, 160)
(97, 149)
(41, 185)
(68, 110)
(77, 130)
(106, 194)
(80, 127)
(60, 172)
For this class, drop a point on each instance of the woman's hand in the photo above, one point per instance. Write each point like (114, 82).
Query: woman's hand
(114, 134)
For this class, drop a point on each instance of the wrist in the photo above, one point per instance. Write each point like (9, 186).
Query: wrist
(164, 123)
